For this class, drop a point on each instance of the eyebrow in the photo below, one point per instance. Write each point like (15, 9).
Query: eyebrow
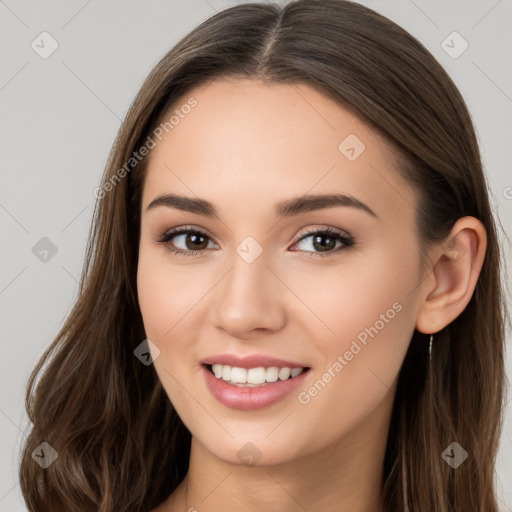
(286, 208)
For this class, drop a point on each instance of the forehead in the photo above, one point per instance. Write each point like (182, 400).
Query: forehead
(262, 143)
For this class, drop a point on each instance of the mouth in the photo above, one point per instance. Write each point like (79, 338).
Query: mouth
(253, 388)
(253, 377)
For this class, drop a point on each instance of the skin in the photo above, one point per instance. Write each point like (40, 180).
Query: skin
(246, 146)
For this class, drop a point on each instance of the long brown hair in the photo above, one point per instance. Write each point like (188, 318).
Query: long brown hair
(121, 446)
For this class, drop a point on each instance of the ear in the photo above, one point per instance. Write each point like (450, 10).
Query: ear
(457, 263)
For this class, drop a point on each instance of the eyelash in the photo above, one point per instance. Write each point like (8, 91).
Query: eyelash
(166, 237)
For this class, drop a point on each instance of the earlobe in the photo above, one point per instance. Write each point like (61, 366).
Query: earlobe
(457, 263)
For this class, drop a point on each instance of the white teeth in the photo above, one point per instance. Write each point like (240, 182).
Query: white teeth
(284, 373)
(239, 375)
(297, 371)
(272, 374)
(256, 375)
(253, 376)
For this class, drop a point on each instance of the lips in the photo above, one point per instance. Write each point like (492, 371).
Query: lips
(252, 398)
(252, 361)
(247, 396)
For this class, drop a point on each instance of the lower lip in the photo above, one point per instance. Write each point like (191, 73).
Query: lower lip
(251, 398)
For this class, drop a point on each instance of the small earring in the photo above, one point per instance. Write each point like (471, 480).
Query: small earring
(430, 347)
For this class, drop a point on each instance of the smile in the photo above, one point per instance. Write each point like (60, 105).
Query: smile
(251, 377)
(257, 388)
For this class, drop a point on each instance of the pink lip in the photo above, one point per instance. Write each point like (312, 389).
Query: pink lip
(251, 398)
(252, 361)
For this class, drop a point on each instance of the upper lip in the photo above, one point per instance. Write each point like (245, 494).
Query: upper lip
(251, 361)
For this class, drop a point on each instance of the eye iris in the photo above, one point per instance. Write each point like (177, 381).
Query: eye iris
(196, 238)
(319, 245)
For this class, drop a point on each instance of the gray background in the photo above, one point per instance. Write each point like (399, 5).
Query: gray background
(60, 116)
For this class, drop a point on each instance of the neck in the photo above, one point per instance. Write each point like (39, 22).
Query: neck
(345, 476)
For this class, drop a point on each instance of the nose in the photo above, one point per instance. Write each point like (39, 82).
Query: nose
(249, 298)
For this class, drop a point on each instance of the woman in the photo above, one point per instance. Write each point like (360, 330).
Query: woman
(291, 297)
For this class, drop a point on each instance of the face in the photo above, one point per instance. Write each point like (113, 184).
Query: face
(254, 279)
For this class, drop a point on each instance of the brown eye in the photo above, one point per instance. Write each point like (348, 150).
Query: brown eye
(192, 241)
(325, 242)
(195, 241)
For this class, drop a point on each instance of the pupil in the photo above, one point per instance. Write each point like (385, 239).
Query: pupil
(324, 245)
(196, 239)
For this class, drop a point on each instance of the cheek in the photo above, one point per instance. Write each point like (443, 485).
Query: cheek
(353, 296)
(166, 293)
(166, 299)
(162, 296)
(373, 322)
(367, 318)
